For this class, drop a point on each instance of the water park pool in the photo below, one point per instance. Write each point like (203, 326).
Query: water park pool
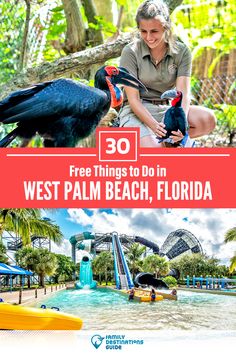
(229, 290)
(105, 309)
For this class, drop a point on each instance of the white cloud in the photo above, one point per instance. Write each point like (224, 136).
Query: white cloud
(78, 216)
(208, 225)
(64, 248)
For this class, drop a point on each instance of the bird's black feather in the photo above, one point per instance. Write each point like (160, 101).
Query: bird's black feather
(63, 111)
(175, 120)
(59, 98)
(21, 95)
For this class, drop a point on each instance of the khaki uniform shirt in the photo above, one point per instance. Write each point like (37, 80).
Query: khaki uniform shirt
(136, 58)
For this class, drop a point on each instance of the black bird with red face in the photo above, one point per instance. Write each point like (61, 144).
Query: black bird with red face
(64, 111)
(175, 118)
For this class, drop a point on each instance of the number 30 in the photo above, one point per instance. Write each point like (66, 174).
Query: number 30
(122, 146)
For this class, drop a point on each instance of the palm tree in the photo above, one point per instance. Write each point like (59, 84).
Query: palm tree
(25, 258)
(97, 269)
(229, 237)
(196, 264)
(3, 256)
(65, 269)
(134, 258)
(103, 264)
(38, 260)
(156, 264)
(232, 266)
(27, 222)
(45, 263)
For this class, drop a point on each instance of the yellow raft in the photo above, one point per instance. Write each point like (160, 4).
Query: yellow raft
(167, 296)
(144, 296)
(147, 298)
(28, 318)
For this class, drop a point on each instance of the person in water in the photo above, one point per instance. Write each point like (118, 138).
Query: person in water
(153, 295)
(131, 294)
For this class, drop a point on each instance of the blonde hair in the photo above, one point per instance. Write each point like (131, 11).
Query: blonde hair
(157, 9)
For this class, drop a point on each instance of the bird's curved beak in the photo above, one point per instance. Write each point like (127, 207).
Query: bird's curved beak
(169, 94)
(125, 78)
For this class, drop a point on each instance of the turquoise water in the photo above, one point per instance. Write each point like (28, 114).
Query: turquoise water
(105, 309)
(229, 290)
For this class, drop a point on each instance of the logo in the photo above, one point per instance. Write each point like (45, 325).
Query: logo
(97, 340)
(114, 341)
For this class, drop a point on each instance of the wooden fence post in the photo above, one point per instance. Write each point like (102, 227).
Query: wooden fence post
(20, 296)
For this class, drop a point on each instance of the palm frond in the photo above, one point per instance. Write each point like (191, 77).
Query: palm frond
(230, 235)
(232, 266)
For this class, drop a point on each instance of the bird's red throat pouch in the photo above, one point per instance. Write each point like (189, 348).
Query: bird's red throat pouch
(115, 101)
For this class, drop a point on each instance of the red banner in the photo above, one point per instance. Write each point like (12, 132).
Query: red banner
(118, 174)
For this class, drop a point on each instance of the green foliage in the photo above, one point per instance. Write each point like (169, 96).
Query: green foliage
(130, 8)
(2, 247)
(122, 2)
(195, 87)
(156, 264)
(232, 88)
(104, 25)
(65, 268)
(198, 265)
(205, 25)
(230, 235)
(55, 34)
(226, 117)
(134, 258)
(38, 260)
(45, 263)
(170, 281)
(232, 266)
(25, 258)
(26, 222)
(5, 129)
(3, 255)
(12, 18)
(227, 113)
(103, 265)
(214, 62)
(201, 25)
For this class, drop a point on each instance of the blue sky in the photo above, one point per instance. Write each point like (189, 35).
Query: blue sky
(69, 226)
(61, 218)
(208, 225)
